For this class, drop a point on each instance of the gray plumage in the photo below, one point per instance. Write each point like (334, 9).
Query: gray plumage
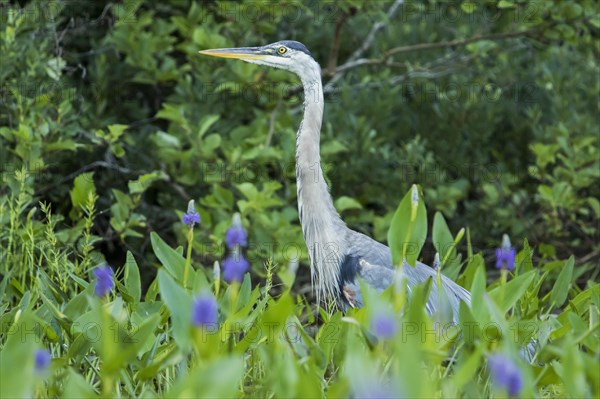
(339, 256)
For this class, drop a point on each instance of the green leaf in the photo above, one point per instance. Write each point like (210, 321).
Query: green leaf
(344, 203)
(17, 382)
(174, 114)
(77, 387)
(164, 139)
(142, 183)
(476, 262)
(125, 343)
(210, 144)
(507, 295)
(468, 7)
(524, 260)
(571, 10)
(478, 290)
(595, 205)
(559, 292)
(79, 347)
(468, 319)
(206, 123)
(63, 145)
(132, 278)
(572, 372)
(333, 147)
(179, 304)
(505, 4)
(276, 315)
(406, 235)
(83, 185)
(168, 257)
(54, 67)
(218, 379)
(467, 367)
(445, 245)
(116, 131)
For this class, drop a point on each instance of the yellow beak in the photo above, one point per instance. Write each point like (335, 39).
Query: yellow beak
(240, 53)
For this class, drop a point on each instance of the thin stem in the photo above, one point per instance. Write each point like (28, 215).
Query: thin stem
(107, 379)
(188, 258)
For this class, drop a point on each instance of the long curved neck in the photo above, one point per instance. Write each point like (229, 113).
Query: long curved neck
(322, 227)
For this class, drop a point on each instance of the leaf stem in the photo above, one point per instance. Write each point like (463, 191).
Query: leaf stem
(188, 258)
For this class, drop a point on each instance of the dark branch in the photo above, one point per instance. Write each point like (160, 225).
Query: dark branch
(335, 46)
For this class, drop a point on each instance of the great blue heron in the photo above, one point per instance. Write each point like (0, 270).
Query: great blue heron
(338, 255)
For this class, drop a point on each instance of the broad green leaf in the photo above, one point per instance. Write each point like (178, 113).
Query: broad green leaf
(174, 114)
(166, 140)
(477, 293)
(244, 292)
(475, 262)
(54, 67)
(77, 387)
(442, 237)
(64, 145)
(206, 123)
(572, 372)
(523, 261)
(210, 144)
(469, 6)
(571, 10)
(446, 245)
(179, 304)
(408, 229)
(21, 343)
(168, 257)
(218, 379)
(79, 347)
(505, 4)
(559, 292)
(116, 131)
(508, 294)
(344, 203)
(470, 324)
(200, 281)
(416, 306)
(143, 182)
(132, 278)
(83, 185)
(595, 205)
(466, 368)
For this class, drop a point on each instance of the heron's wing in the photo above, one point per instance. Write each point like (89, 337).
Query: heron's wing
(355, 267)
(372, 262)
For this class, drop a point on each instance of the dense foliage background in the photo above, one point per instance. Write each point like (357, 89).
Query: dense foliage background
(110, 122)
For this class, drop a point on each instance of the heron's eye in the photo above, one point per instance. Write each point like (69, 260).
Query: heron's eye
(281, 50)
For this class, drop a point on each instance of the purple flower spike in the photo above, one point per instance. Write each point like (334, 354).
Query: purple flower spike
(384, 324)
(236, 234)
(505, 374)
(377, 392)
(105, 282)
(42, 360)
(205, 311)
(191, 216)
(505, 255)
(234, 268)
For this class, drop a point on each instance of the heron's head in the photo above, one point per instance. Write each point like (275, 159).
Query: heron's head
(287, 54)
